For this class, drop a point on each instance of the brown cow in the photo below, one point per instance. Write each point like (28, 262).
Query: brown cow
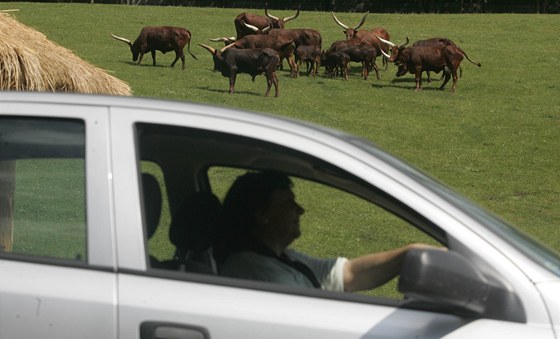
(336, 62)
(160, 38)
(432, 42)
(417, 59)
(259, 21)
(359, 51)
(369, 37)
(301, 36)
(230, 61)
(311, 55)
(284, 45)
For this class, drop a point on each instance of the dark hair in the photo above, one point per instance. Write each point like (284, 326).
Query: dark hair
(248, 194)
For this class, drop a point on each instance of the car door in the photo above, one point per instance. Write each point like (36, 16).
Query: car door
(175, 304)
(56, 260)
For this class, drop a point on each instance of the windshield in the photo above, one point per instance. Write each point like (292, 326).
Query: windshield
(533, 249)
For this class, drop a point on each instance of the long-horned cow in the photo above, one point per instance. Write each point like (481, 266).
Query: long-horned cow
(284, 45)
(417, 59)
(432, 42)
(300, 36)
(230, 61)
(260, 22)
(369, 37)
(160, 38)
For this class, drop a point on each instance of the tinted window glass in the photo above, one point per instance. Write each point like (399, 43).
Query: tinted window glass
(42, 187)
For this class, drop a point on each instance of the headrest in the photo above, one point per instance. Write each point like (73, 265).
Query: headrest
(152, 202)
(194, 225)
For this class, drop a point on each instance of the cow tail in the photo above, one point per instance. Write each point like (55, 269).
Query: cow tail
(189, 47)
(465, 54)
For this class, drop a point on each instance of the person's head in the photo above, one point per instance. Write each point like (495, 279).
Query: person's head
(260, 206)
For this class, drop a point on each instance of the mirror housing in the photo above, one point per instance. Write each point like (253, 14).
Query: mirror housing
(447, 280)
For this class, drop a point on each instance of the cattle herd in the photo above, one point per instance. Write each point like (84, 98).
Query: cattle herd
(262, 43)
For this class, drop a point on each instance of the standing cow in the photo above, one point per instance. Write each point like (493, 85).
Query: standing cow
(311, 55)
(369, 37)
(160, 38)
(417, 59)
(230, 61)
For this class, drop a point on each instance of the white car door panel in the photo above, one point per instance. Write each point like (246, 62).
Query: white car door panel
(48, 301)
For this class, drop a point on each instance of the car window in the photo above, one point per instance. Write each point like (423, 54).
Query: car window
(338, 224)
(42, 188)
(342, 218)
(157, 218)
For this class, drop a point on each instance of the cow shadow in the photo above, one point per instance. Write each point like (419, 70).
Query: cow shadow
(225, 91)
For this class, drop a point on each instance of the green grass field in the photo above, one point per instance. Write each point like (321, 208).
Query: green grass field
(496, 139)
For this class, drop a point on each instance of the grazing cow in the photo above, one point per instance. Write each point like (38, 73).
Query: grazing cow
(417, 59)
(284, 45)
(160, 38)
(335, 62)
(358, 52)
(370, 37)
(260, 22)
(433, 42)
(311, 55)
(230, 61)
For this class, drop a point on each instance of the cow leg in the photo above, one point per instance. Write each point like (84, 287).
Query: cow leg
(275, 82)
(140, 56)
(292, 64)
(177, 56)
(455, 77)
(154, 57)
(232, 81)
(446, 79)
(418, 76)
(376, 69)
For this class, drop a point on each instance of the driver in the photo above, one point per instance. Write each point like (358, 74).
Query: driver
(261, 218)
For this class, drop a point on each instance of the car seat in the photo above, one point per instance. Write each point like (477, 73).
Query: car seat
(193, 230)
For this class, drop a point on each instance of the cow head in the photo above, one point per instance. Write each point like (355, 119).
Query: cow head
(349, 31)
(396, 50)
(133, 48)
(279, 22)
(219, 63)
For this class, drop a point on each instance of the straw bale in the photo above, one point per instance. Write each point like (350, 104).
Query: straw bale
(31, 62)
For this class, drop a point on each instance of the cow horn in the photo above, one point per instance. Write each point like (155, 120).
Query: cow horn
(338, 21)
(223, 39)
(288, 18)
(226, 47)
(361, 21)
(121, 39)
(208, 48)
(404, 43)
(268, 14)
(384, 53)
(385, 41)
(251, 27)
(266, 29)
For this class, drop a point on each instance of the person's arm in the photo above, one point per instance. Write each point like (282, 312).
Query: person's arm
(373, 270)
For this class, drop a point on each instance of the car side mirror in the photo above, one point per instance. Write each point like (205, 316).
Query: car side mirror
(448, 280)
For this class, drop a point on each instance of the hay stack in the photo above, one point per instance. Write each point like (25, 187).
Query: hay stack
(30, 62)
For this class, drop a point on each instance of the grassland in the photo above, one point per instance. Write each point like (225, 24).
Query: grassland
(496, 139)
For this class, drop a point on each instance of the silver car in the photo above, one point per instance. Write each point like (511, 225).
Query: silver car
(89, 245)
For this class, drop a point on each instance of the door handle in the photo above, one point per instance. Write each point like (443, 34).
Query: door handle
(164, 330)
